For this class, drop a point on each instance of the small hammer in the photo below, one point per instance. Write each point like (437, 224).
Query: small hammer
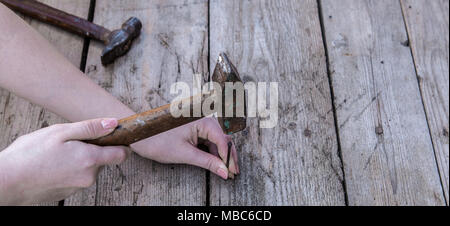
(159, 120)
(117, 42)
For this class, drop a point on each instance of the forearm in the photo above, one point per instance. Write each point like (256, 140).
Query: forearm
(31, 68)
(9, 193)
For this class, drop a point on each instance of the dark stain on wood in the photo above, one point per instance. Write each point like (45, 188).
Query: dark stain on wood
(133, 68)
(149, 96)
(137, 193)
(379, 130)
(10, 119)
(405, 43)
(247, 78)
(122, 178)
(44, 124)
(91, 68)
(292, 126)
(164, 40)
(307, 132)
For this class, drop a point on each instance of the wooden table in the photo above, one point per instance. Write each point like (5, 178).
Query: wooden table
(363, 98)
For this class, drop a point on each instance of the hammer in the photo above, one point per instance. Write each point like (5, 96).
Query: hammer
(159, 120)
(117, 42)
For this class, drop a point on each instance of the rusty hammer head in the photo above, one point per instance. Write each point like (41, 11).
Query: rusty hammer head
(118, 42)
(225, 72)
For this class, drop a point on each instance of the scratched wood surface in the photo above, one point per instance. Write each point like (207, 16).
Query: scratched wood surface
(295, 163)
(386, 146)
(427, 25)
(390, 97)
(18, 116)
(173, 45)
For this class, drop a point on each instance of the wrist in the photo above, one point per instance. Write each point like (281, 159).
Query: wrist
(8, 182)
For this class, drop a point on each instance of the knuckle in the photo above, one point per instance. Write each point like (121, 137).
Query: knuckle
(51, 141)
(210, 121)
(54, 132)
(89, 162)
(115, 157)
(222, 142)
(88, 158)
(229, 138)
(87, 181)
(72, 145)
(122, 155)
(90, 129)
(210, 164)
(56, 127)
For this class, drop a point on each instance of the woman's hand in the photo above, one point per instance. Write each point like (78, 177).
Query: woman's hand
(48, 74)
(51, 164)
(180, 146)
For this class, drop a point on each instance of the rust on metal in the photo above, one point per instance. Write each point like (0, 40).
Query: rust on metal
(225, 72)
(119, 41)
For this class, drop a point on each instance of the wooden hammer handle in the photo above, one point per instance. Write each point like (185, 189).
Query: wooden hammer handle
(144, 125)
(58, 18)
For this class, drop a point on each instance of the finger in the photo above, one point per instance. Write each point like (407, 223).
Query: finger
(207, 161)
(209, 129)
(90, 129)
(232, 167)
(214, 151)
(112, 155)
(235, 158)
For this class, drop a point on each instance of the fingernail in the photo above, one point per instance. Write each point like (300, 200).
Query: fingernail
(222, 173)
(109, 123)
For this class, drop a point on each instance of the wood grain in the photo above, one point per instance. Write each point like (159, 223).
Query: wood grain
(386, 147)
(297, 162)
(173, 45)
(18, 116)
(427, 25)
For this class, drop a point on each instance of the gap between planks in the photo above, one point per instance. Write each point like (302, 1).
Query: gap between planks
(408, 33)
(84, 53)
(333, 104)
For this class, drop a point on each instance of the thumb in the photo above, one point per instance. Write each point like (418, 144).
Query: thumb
(90, 129)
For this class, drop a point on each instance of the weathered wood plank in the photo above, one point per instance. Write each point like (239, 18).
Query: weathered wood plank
(18, 116)
(386, 147)
(173, 45)
(297, 162)
(427, 25)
